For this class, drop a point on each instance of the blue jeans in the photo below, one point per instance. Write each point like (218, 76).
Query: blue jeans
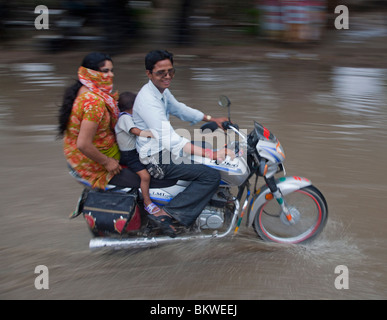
(188, 204)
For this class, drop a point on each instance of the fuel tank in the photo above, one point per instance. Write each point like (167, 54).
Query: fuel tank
(233, 172)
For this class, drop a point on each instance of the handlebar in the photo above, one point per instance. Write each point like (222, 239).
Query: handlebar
(229, 125)
(226, 125)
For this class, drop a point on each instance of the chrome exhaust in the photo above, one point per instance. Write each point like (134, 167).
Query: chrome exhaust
(136, 243)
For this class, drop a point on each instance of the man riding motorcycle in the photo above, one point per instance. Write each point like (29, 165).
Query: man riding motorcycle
(153, 105)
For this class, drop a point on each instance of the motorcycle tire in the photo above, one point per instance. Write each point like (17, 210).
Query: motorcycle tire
(309, 211)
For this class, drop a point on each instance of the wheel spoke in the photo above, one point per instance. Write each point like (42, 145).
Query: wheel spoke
(308, 210)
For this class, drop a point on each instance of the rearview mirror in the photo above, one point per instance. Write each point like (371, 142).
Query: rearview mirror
(224, 101)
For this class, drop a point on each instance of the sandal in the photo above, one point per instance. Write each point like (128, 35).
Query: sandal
(152, 208)
(165, 224)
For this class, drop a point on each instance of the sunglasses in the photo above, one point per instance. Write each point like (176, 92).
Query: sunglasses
(163, 73)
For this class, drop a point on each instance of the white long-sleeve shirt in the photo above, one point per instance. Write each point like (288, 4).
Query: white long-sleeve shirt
(151, 112)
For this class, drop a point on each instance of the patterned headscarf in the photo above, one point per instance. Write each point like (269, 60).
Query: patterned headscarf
(101, 84)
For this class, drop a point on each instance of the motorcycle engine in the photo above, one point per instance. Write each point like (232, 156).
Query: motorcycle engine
(211, 218)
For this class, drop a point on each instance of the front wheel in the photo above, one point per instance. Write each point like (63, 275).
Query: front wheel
(309, 211)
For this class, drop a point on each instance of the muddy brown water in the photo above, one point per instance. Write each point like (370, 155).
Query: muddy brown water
(331, 120)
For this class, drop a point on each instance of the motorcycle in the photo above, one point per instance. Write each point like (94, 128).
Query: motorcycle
(288, 209)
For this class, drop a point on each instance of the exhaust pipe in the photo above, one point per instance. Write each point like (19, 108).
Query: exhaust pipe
(136, 243)
(105, 242)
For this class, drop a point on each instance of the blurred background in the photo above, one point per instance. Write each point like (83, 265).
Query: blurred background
(121, 25)
(322, 91)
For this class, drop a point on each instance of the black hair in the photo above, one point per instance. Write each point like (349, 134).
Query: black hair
(126, 101)
(94, 61)
(155, 56)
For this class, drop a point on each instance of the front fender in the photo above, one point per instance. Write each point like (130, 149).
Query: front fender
(285, 184)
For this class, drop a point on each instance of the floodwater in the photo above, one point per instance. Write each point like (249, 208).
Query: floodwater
(331, 120)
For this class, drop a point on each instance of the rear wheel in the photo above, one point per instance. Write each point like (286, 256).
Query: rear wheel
(309, 214)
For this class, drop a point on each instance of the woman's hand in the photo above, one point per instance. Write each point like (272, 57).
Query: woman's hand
(112, 165)
(85, 145)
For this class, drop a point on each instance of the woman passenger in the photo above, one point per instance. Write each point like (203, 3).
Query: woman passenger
(87, 117)
(87, 120)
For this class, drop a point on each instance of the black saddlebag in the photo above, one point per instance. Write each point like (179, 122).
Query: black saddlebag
(111, 213)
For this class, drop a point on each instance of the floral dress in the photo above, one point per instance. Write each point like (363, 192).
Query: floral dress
(90, 106)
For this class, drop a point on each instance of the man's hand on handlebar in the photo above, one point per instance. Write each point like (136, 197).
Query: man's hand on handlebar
(221, 155)
(219, 121)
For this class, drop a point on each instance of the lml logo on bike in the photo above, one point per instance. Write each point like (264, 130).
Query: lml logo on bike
(42, 20)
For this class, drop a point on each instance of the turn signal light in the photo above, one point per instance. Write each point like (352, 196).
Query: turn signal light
(269, 196)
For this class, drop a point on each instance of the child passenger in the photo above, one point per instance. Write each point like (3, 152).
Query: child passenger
(126, 133)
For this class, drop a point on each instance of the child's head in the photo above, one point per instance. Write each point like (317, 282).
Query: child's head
(126, 101)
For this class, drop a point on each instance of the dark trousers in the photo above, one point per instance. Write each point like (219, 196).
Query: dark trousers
(188, 204)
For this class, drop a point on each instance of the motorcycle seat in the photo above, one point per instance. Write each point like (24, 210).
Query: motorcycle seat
(132, 177)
